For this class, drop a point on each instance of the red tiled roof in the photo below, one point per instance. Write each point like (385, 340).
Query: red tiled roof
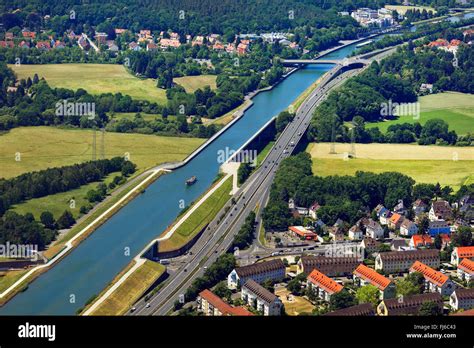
(324, 282)
(465, 252)
(222, 306)
(429, 273)
(422, 239)
(395, 218)
(372, 277)
(467, 266)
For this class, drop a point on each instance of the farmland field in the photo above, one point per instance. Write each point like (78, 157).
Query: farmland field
(95, 79)
(45, 147)
(457, 109)
(447, 165)
(192, 83)
(401, 9)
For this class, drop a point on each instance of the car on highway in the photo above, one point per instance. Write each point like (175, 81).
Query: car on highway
(148, 305)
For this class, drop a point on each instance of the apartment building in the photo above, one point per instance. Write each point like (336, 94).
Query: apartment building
(434, 281)
(401, 261)
(466, 270)
(255, 295)
(331, 266)
(322, 286)
(460, 253)
(408, 305)
(259, 272)
(462, 299)
(212, 305)
(364, 275)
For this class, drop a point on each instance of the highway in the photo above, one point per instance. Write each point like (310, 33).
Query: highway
(218, 237)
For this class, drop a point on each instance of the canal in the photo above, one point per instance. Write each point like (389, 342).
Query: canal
(88, 269)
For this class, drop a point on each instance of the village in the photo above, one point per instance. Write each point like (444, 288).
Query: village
(398, 261)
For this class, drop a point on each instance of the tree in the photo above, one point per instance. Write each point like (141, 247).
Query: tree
(66, 220)
(368, 294)
(430, 308)
(128, 168)
(406, 288)
(47, 219)
(462, 237)
(342, 299)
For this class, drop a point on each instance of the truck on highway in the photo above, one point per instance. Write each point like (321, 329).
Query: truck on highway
(165, 261)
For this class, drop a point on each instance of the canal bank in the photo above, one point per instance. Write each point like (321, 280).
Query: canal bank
(91, 266)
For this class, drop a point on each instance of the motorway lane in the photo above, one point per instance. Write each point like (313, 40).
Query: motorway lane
(218, 237)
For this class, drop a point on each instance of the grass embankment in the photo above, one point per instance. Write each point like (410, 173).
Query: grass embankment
(401, 9)
(46, 147)
(448, 165)
(130, 290)
(457, 109)
(226, 118)
(10, 277)
(204, 214)
(95, 79)
(192, 83)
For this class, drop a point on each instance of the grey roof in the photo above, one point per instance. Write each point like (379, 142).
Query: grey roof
(409, 255)
(260, 291)
(365, 309)
(464, 293)
(260, 267)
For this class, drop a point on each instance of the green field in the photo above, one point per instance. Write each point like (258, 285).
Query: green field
(57, 203)
(199, 218)
(401, 9)
(131, 289)
(9, 278)
(95, 79)
(451, 166)
(44, 147)
(457, 109)
(192, 83)
(131, 116)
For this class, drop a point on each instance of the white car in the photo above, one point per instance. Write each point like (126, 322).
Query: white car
(148, 305)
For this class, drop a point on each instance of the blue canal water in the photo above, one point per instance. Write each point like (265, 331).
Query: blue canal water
(97, 260)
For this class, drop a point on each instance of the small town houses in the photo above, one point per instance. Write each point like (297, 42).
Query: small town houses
(466, 270)
(401, 261)
(364, 275)
(273, 270)
(460, 253)
(434, 281)
(322, 286)
(259, 298)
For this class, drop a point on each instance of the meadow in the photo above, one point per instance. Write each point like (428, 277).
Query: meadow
(192, 83)
(95, 79)
(44, 147)
(447, 165)
(457, 109)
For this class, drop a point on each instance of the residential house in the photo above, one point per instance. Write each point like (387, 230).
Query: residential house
(8, 36)
(370, 245)
(364, 275)
(83, 42)
(151, 46)
(43, 45)
(362, 310)
(230, 48)
(466, 270)
(59, 44)
(374, 230)
(379, 209)
(336, 233)
(28, 34)
(460, 253)
(120, 31)
(172, 43)
(421, 241)
(270, 270)
(462, 299)
(440, 210)
(355, 233)
(426, 88)
(408, 228)
(133, 46)
(445, 240)
(385, 216)
(322, 286)
(398, 244)
(7, 44)
(242, 48)
(112, 46)
(401, 261)
(438, 227)
(101, 38)
(395, 221)
(331, 266)
(255, 295)
(198, 41)
(408, 305)
(212, 305)
(313, 210)
(434, 281)
(24, 44)
(400, 208)
(297, 210)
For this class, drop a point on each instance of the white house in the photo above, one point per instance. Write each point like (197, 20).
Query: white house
(462, 299)
(355, 233)
(271, 270)
(408, 228)
(374, 230)
(466, 270)
(460, 253)
(256, 296)
(322, 286)
(434, 281)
